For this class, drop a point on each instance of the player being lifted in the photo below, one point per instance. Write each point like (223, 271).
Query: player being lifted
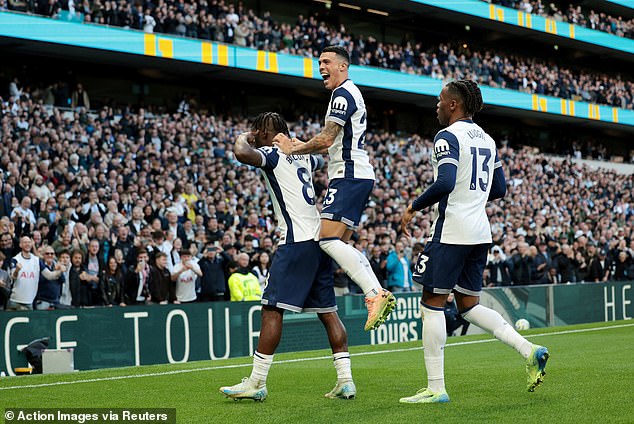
(351, 179)
(301, 275)
(467, 173)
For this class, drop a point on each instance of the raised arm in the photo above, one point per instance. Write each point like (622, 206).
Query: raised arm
(244, 152)
(317, 144)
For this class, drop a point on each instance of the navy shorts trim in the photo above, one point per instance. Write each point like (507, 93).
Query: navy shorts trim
(441, 268)
(301, 279)
(346, 199)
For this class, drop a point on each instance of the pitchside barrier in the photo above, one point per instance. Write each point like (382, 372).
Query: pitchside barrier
(156, 334)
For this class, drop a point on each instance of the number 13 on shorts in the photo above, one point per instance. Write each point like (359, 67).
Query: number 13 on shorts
(421, 265)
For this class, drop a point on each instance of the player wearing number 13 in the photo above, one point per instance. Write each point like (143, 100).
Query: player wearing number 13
(467, 174)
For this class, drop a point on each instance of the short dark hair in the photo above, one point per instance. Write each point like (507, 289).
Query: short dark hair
(339, 51)
(469, 93)
(77, 252)
(261, 122)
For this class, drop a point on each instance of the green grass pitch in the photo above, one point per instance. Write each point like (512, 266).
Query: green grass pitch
(590, 379)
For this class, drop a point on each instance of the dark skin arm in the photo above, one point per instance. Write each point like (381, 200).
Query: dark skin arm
(244, 150)
(317, 144)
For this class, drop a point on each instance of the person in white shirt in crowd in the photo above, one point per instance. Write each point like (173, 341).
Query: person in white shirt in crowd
(25, 272)
(185, 274)
(24, 211)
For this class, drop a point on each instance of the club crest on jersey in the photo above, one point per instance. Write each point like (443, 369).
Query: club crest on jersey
(441, 148)
(339, 105)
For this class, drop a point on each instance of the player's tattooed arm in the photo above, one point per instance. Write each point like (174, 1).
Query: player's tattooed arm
(244, 151)
(318, 144)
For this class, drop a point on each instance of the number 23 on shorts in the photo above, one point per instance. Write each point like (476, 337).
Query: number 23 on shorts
(330, 196)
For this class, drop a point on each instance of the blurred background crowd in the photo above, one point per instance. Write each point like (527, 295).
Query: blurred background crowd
(230, 23)
(119, 207)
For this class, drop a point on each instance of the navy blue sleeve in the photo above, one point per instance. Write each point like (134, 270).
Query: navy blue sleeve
(270, 156)
(447, 154)
(498, 186)
(443, 185)
(342, 106)
(317, 162)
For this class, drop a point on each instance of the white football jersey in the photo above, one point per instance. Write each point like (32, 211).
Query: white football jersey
(25, 286)
(348, 158)
(186, 283)
(290, 184)
(460, 217)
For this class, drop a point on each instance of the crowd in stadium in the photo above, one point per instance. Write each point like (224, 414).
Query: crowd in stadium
(220, 21)
(573, 14)
(132, 208)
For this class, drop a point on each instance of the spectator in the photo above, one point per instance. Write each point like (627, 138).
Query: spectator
(79, 98)
(521, 265)
(93, 266)
(65, 300)
(148, 22)
(453, 319)
(75, 275)
(23, 215)
(399, 275)
(499, 269)
(50, 282)
(111, 283)
(243, 285)
(161, 282)
(553, 277)
(213, 266)
(4, 284)
(599, 267)
(261, 269)
(342, 282)
(7, 249)
(378, 262)
(540, 264)
(622, 269)
(25, 273)
(185, 275)
(136, 286)
(566, 264)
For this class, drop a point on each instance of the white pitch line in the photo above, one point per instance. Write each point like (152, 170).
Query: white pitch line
(289, 361)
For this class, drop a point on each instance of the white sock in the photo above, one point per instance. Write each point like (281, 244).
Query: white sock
(376, 285)
(354, 263)
(261, 365)
(342, 365)
(434, 339)
(492, 322)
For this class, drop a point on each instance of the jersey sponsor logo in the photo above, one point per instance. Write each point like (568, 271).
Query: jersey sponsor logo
(441, 148)
(339, 105)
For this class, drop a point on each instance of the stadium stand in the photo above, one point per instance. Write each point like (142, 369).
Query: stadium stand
(223, 22)
(574, 14)
(118, 167)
